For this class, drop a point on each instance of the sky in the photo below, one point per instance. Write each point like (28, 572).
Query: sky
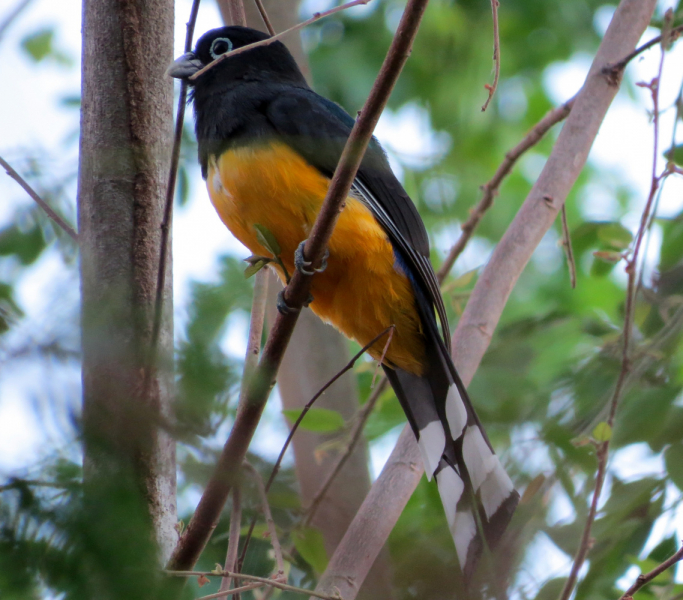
(32, 122)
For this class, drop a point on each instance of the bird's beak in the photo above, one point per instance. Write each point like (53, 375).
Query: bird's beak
(185, 66)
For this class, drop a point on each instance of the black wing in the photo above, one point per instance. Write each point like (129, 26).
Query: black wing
(318, 129)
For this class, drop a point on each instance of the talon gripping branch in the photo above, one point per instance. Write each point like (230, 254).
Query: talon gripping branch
(268, 146)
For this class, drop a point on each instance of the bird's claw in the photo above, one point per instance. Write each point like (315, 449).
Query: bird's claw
(305, 266)
(286, 309)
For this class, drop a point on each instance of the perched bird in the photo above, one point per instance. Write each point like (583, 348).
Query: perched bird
(268, 146)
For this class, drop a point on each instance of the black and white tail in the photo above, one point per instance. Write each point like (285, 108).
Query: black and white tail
(475, 490)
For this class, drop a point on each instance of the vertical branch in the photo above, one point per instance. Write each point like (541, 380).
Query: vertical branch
(233, 537)
(631, 267)
(125, 136)
(168, 209)
(567, 245)
(496, 55)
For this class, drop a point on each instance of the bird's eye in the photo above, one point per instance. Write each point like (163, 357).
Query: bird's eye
(220, 46)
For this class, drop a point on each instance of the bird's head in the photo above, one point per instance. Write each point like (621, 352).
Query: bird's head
(271, 62)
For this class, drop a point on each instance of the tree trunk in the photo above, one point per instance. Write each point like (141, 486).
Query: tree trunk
(125, 146)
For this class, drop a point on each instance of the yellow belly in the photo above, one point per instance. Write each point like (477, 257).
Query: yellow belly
(360, 292)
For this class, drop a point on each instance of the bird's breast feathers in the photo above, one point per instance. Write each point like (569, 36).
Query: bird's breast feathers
(361, 292)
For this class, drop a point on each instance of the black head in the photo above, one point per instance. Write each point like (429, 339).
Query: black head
(271, 62)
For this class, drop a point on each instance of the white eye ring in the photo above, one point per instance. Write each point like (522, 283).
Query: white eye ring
(214, 54)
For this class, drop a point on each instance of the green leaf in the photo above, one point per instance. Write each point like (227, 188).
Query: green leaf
(673, 458)
(672, 244)
(675, 155)
(254, 268)
(267, 239)
(320, 420)
(25, 245)
(608, 256)
(615, 235)
(310, 545)
(38, 45)
(602, 432)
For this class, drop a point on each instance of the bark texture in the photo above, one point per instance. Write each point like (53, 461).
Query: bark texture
(125, 147)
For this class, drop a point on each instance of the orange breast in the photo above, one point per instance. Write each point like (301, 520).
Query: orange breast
(361, 292)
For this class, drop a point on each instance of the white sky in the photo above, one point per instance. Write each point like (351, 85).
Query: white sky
(32, 122)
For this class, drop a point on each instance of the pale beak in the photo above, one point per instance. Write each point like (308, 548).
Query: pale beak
(184, 66)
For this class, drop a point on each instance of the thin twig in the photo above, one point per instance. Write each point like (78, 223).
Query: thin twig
(496, 55)
(257, 319)
(316, 17)
(168, 213)
(631, 266)
(643, 580)
(295, 426)
(44, 205)
(224, 593)
(361, 420)
(233, 537)
(269, 518)
(295, 294)
(262, 580)
(319, 393)
(567, 245)
(264, 16)
(615, 68)
(490, 189)
(12, 16)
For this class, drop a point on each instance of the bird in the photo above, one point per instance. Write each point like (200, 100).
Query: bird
(268, 146)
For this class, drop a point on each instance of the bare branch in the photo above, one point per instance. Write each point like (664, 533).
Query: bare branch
(264, 16)
(262, 580)
(233, 12)
(296, 293)
(269, 519)
(295, 426)
(362, 419)
(224, 593)
(270, 40)
(616, 68)
(168, 210)
(391, 491)
(567, 245)
(644, 579)
(490, 189)
(233, 536)
(496, 55)
(44, 205)
(12, 16)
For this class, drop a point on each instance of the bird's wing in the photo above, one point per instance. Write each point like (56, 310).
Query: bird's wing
(318, 129)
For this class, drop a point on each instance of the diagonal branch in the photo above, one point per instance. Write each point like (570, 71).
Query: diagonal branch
(44, 205)
(490, 189)
(316, 17)
(208, 511)
(401, 474)
(644, 579)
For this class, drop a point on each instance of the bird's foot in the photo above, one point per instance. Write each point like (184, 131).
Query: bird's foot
(305, 266)
(285, 308)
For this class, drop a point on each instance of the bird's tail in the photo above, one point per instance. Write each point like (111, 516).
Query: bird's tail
(477, 494)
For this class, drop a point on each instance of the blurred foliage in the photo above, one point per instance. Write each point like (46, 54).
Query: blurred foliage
(542, 388)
